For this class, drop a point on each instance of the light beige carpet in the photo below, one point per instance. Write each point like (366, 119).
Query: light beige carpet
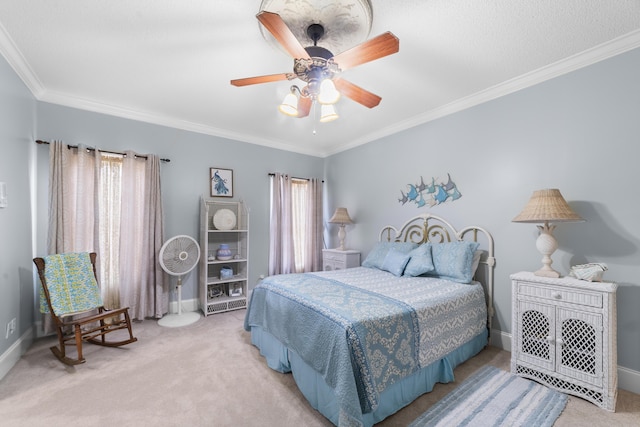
(205, 374)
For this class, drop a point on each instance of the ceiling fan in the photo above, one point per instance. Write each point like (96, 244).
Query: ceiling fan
(319, 68)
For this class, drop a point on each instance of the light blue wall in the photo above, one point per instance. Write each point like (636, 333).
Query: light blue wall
(579, 133)
(17, 119)
(186, 177)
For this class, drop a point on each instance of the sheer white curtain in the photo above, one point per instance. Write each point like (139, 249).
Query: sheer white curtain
(111, 205)
(295, 244)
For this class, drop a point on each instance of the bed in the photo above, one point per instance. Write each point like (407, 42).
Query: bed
(364, 342)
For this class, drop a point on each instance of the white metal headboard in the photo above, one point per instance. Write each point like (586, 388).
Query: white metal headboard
(431, 228)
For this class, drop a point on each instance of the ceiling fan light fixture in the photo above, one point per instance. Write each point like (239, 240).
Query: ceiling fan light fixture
(315, 65)
(328, 113)
(328, 92)
(289, 105)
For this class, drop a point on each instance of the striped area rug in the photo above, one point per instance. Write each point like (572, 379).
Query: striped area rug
(493, 397)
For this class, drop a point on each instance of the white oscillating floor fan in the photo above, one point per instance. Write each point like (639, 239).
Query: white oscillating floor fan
(178, 256)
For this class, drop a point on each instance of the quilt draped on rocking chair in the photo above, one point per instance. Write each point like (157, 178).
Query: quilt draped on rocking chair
(72, 284)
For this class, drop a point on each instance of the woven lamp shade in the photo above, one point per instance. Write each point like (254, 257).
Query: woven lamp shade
(341, 216)
(547, 206)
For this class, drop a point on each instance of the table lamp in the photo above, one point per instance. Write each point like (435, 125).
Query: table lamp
(341, 216)
(547, 206)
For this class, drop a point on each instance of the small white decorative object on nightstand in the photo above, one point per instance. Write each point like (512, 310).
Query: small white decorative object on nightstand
(334, 259)
(564, 335)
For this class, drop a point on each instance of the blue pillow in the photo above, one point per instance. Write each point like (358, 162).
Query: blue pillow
(454, 260)
(376, 257)
(420, 262)
(395, 262)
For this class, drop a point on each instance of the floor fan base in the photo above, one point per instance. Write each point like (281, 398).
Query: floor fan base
(181, 318)
(178, 320)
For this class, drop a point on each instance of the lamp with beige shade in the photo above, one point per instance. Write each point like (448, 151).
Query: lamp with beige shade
(341, 216)
(546, 206)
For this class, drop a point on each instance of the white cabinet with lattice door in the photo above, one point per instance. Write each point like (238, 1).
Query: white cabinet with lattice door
(564, 335)
(224, 261)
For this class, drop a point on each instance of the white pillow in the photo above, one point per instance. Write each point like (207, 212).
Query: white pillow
(476, 261)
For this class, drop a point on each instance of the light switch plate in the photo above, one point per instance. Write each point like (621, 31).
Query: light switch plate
(3, 195)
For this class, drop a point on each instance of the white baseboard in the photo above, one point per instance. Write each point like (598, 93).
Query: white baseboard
(501, 340)
(13, 353)
(187, 305)
(628, 379)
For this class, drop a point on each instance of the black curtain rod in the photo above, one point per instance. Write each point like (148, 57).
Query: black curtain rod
(39, 141)
(294, 177)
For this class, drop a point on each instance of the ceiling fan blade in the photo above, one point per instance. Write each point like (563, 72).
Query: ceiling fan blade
(356, 93)
(378, 47)
(277, 27)
(304, 106)
(260, 79)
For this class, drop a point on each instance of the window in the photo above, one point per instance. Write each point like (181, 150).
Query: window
(300, 214)
(111, 204)
(296, 225)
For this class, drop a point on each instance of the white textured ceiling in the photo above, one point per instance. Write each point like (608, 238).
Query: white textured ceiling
(170, 62)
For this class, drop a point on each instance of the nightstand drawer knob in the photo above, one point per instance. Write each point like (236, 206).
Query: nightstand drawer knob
(557, 295)
(550, 338)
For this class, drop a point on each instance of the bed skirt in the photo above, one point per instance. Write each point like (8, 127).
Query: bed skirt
(395, 397)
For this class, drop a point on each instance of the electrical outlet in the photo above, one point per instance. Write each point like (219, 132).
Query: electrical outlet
(11, 328)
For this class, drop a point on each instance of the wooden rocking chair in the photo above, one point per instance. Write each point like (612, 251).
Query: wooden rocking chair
(72, 296)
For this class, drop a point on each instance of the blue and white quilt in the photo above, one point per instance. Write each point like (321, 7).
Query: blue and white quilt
(364, 329)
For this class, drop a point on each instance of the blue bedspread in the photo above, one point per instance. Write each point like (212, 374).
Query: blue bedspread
(364, 329)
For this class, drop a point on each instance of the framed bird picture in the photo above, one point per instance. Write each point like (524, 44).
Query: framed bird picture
(221, 182)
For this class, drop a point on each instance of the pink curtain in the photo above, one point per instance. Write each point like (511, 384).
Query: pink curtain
(314, 226)
(281, 249)
(142, 284)
(295, 244)
(72, 205)
(111, 205)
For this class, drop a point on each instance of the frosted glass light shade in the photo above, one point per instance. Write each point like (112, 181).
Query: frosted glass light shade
(289, 105)
(328, 113)
(328, 92)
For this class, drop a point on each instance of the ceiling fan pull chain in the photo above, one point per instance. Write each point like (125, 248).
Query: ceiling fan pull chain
(315, 117)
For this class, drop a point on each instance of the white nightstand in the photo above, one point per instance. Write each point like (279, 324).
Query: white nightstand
(334, 259)
(564, 335)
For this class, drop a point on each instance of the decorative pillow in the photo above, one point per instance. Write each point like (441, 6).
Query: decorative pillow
(454, 260)
(420, 262)
(476, 261)
(376, 257)
(395, 262)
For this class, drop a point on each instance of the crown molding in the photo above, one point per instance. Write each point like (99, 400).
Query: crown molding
(591, 56)
(19, 64)
(156, 119)
(575, 62)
